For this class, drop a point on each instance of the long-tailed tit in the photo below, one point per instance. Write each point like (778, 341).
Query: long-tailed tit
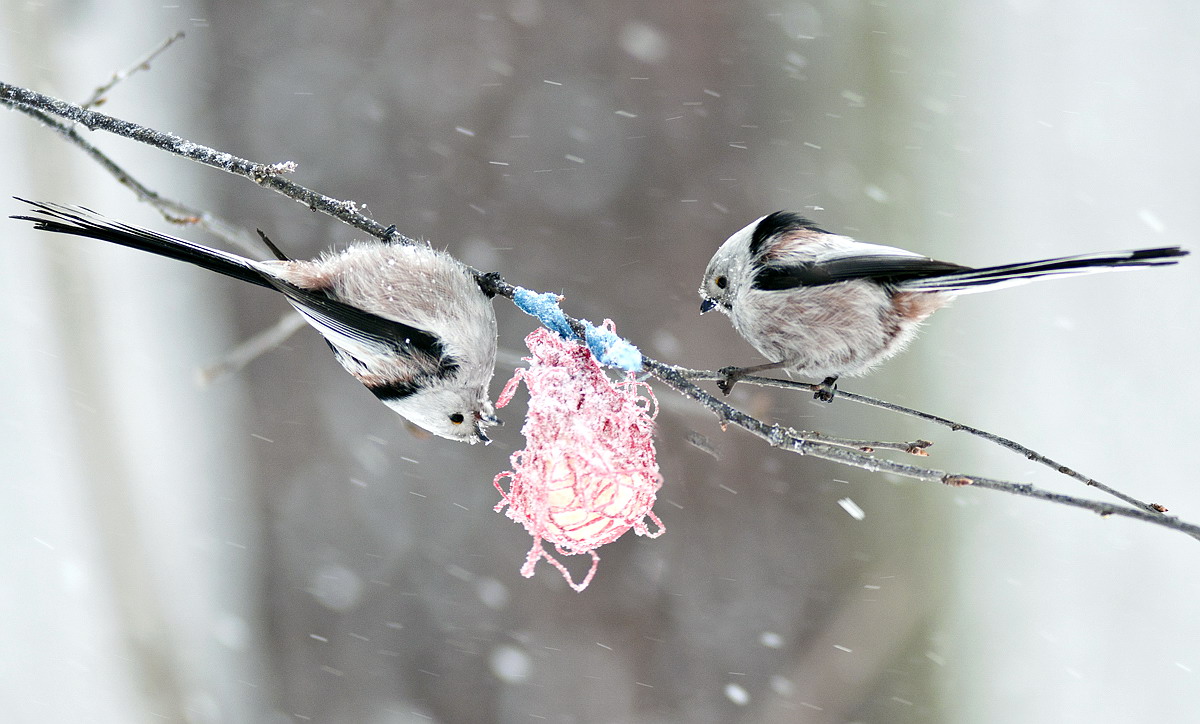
(409, 322)
(824, 305)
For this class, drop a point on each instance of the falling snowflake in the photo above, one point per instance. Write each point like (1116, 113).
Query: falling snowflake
(588, 471)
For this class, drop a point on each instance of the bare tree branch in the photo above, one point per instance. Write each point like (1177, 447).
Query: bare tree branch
(1004, 442)
(916, 447)
(252, 348)
(264, 174)
(175, 212)
(788, 439)
(677, 378)
(97, 98)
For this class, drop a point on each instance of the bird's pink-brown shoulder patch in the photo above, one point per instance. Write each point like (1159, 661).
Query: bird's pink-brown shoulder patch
(789, 244)
(916, 306)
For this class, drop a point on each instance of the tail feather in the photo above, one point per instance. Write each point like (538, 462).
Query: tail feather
(80, 221)
(995, 277)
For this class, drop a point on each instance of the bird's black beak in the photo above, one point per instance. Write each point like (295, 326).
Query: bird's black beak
(482, 421)
(707, 305)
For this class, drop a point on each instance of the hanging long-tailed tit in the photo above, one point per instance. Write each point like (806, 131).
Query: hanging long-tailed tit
(824, 305)
(409, 322)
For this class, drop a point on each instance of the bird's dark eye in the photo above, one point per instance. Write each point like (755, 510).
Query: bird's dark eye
(721, 282)
(457, 418)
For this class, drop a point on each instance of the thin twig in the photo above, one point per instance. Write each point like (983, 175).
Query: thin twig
(1004, 442)
(252, 348)
(916, 447)
(97, 98)
(175, 212)
(675, 377)
(268, 175)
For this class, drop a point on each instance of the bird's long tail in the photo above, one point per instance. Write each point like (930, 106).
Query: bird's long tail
(80, 221)
(995, 277)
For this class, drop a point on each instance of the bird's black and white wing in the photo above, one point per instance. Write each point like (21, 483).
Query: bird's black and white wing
(791, 251)
(366, 338)
(847, 261)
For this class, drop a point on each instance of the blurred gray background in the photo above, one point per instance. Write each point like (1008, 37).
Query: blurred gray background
(278, 547)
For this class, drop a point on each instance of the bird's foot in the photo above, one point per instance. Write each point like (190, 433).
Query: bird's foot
(730, 376)
(826, 390)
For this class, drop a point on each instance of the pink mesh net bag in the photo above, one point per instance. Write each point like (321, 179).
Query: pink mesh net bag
(588, 471)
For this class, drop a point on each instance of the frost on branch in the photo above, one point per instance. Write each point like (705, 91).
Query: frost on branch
(588, 472)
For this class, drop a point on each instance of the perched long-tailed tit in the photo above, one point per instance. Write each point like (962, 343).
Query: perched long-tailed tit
(409, 322)
(824, 305)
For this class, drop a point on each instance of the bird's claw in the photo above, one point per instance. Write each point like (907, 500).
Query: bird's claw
(730, 377)
(826, 391)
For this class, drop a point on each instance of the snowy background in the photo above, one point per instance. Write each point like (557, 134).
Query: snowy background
(277, 547)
